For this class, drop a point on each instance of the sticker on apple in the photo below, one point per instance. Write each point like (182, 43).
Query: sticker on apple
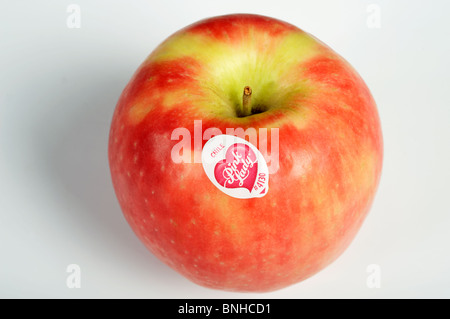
(235, 166)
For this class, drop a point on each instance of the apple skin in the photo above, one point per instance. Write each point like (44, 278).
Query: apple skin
(330, 153)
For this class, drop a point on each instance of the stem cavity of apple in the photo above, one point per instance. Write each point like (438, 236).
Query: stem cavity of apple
(247, 101)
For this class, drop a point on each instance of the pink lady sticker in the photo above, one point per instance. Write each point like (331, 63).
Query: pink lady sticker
(235, 166)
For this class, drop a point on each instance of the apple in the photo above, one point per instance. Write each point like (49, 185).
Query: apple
(288, 98)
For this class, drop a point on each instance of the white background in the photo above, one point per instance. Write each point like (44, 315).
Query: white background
(58, 90)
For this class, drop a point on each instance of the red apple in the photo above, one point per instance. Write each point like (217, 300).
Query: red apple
(324, 160)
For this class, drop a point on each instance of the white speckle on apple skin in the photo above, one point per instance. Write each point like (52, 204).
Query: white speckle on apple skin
(173, 223)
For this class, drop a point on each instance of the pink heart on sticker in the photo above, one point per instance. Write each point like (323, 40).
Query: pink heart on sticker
(238, 169)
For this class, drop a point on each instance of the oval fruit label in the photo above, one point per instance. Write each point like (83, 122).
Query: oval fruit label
(235, 166)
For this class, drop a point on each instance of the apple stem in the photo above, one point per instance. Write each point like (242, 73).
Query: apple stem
(247, 101)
